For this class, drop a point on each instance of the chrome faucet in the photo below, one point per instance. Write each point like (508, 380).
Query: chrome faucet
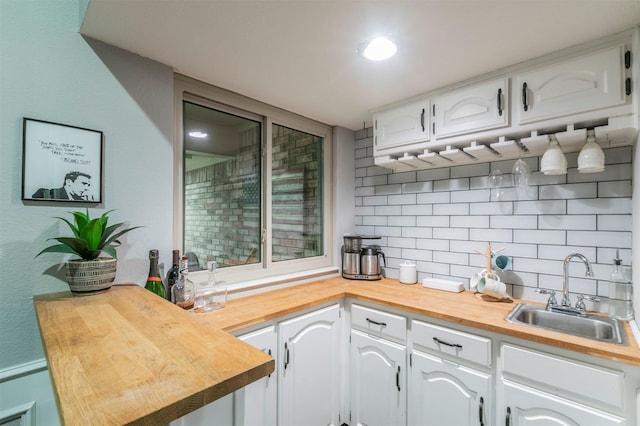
(565, 281)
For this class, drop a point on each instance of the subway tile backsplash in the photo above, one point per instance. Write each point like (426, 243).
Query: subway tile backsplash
(440, 218)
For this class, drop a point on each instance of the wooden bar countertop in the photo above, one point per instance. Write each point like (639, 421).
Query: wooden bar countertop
(126, 356)
(129, 357)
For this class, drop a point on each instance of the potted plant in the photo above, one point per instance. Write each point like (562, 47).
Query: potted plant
(92, 237)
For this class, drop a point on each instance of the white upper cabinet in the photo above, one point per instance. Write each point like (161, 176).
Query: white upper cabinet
(403, 125)
(476, 108)
(587, 83)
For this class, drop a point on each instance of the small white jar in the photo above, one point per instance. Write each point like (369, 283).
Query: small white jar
(408, 272)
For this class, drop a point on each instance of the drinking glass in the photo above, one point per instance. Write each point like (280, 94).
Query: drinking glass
(520, 174)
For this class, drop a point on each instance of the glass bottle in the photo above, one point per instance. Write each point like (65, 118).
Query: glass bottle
(173, 273)
(620, 292)
(183, 291)
(211, 295)
(154, 281)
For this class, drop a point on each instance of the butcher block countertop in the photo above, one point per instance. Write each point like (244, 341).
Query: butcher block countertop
(126, 356)
(129, 357)
(464, 308)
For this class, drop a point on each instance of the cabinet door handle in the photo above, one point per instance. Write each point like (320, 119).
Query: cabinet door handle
(524, 97)
(481, 411)
(269, 353)
(422, 119)
(500, 102)
(627, 86)
(507, 421)
(398, 379)
(286, 356)
(627, 59)
(381, 324)
(442, 342)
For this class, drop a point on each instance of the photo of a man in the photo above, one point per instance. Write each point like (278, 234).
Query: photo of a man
(74, 187)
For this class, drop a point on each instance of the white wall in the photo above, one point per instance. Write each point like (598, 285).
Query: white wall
(49, 72)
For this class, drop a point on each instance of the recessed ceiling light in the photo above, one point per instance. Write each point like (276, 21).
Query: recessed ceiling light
(198, 134)
(378, 48)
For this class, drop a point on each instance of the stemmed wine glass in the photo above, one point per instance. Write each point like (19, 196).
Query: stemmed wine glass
(495, 184)
(520, 173)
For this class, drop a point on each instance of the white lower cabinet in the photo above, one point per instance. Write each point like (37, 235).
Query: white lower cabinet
(524, 406)
(378, 381)
(309, 369)
(253, 405)
(422, 374)
(542, 389)
(445, 393)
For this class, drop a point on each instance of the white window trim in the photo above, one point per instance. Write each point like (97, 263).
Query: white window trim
(255, 275)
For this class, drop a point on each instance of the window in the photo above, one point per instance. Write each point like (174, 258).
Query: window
(252, 185)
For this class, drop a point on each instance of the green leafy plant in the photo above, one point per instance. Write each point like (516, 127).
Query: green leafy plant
(91, 236)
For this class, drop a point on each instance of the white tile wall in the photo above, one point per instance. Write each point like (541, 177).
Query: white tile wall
(439, 218)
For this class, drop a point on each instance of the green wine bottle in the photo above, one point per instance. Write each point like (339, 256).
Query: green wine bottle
(154, 281)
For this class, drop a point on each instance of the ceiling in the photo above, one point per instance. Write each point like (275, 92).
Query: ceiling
(300, 55)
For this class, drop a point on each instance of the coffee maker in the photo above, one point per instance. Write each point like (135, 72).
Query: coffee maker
(361, 263)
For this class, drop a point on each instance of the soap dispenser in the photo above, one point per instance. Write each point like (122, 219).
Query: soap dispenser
(620, 292)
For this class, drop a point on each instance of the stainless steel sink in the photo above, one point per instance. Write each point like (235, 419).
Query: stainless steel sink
(603, 329)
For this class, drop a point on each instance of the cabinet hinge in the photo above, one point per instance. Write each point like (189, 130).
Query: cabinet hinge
(627, 86)
(627, 59)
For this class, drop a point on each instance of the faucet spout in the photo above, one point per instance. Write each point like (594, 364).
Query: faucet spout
(565, 281)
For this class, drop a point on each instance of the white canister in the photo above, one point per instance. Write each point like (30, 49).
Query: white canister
(408, 272)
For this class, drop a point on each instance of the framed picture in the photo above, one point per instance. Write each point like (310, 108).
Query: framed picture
(61, 162)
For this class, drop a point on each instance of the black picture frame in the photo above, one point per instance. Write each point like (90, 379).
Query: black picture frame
(61, 163)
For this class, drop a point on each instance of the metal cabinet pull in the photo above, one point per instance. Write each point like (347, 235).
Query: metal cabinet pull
(442, 342)
(481, 411)
(398, 379)
(524, 97)
(286, 356)
(422, 119)
(507, 421)
(500, 102)
(269, 353)
(381, 324)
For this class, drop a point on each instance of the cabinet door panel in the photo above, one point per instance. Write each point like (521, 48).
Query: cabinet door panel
(403, 125)
(255, 404)
(309, 369)
(378, 391)
(525, 406)
(478, 108)
(588, 83)
(443, 393)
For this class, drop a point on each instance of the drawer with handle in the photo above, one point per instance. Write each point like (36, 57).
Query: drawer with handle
(379, 323)
(457, 344)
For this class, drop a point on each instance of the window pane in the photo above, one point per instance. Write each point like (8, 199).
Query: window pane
(221, 187)
(297, 225)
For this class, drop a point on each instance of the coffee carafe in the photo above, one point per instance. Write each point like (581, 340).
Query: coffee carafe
(370, 262)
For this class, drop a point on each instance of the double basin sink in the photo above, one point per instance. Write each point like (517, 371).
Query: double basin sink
(600, 328)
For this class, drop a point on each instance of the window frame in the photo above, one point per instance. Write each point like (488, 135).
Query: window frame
(191, 90)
